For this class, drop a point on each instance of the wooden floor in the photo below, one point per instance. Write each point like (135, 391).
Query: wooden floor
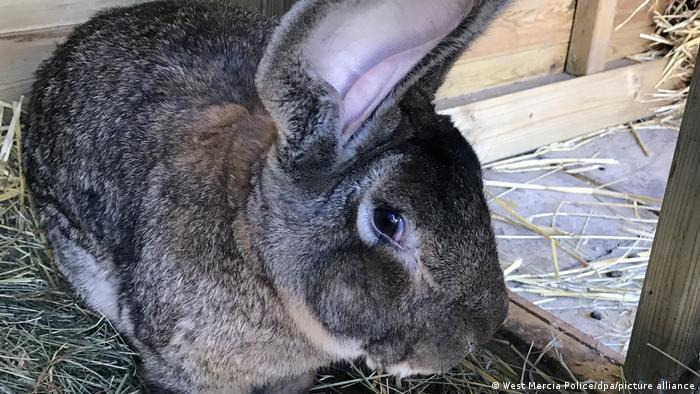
(582, 215)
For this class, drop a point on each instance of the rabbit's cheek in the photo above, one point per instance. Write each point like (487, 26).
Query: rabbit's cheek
(316, 333)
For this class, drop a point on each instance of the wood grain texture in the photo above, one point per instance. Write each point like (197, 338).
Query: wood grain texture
(625, 40)
(24, 15)
(25, 39)
(529, 39)
(472, 75)
(21, 54)
(668, 316)
(525, 24)
(514, 123)
(590, 36)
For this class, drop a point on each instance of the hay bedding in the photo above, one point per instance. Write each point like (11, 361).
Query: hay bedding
(51, 343)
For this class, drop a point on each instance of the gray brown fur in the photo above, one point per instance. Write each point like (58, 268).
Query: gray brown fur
(210, 226)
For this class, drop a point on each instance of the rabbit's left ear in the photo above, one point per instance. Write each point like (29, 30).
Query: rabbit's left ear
(333, 65)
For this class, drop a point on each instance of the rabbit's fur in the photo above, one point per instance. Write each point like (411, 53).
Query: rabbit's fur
(203, 186)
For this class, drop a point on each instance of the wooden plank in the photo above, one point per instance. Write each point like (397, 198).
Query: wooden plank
(525, 24)
(668, 316)
(472, 75)
(21, 54)
(586, 358)
(625, 40)
(644, 10)
(529, 39)
(25, 15)
(590, 37)
(515, 123)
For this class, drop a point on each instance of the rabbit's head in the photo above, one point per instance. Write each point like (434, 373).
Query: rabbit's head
(369, 212)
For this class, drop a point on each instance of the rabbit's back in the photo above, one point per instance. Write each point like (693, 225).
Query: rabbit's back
(143, 129)
(123, 92)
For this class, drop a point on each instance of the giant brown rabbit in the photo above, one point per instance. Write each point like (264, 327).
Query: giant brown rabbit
(247, 201)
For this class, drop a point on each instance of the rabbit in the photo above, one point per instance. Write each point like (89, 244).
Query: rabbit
(248, 200)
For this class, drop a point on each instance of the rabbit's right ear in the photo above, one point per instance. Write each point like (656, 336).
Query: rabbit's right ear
(333, 65)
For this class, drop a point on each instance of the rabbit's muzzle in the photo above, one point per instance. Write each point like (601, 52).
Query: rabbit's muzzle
(447, 336)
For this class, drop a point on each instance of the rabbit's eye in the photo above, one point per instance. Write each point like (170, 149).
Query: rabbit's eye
(389, 223)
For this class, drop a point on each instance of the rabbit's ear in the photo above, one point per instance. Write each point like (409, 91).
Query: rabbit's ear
(332, 65)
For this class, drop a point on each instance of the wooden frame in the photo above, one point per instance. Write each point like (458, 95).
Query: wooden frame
(590, 36)
(668, 317)
(576, 355)
(509, 124)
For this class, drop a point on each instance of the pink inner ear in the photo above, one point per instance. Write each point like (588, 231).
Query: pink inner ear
(365, 47)
(375, 84)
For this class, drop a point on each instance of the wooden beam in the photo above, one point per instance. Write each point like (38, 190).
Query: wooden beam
(506, 125)
(584, 357)
(668, 318)
(590, 36)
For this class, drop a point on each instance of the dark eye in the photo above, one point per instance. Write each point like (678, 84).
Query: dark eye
(389, 223)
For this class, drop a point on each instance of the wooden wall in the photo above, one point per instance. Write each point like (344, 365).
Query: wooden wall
(30, 30)
(529, 40)
(625, 41)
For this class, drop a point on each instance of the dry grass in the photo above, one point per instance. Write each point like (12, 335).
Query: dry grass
(609, 283)
(677, 37)
(49, 343)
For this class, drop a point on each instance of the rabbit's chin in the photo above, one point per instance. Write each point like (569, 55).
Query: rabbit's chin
(407, 368)
(402, 369)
